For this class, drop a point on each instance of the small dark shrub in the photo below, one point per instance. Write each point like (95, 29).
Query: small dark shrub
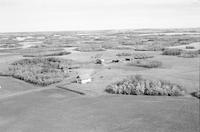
(137, 85)
(141, 49)
(190, 47)
(172, 52)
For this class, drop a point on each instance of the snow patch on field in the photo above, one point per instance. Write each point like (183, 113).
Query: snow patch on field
(183, 47)
(29, 44)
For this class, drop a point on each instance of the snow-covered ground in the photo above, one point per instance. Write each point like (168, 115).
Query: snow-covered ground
(183, 47)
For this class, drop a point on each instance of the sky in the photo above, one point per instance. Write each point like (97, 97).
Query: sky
(64, 15)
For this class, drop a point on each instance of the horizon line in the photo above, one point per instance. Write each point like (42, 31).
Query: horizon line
(95, 30)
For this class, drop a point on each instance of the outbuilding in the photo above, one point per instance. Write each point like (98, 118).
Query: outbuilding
(83, 79)
(115, 61)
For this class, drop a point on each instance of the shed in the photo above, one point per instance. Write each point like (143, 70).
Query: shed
(84, 78)
(115, 61)
(128, 59)
(99, 61)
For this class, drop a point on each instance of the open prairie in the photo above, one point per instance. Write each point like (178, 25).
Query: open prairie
(57, 81)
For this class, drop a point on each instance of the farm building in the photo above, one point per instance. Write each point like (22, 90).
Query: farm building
(115, 61)
(99, 61)
(83, 79)
(128, 59)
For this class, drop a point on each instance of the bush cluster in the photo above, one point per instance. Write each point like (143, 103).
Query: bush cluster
(40, 71)
(136, 85)
(135, 55)
(141, 49)
(190, 47)
(142, 56)
(189, 54)
(149, 47)
(172, 51)
(89, 49)
(123, 54)
(55, 53)
(197, 93)
(146, 63)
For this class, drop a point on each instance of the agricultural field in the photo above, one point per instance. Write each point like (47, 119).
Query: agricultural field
(157, 68)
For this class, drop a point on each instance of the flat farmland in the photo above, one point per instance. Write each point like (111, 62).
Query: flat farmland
(58, 81)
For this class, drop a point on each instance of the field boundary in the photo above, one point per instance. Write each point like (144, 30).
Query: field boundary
(24, 92)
